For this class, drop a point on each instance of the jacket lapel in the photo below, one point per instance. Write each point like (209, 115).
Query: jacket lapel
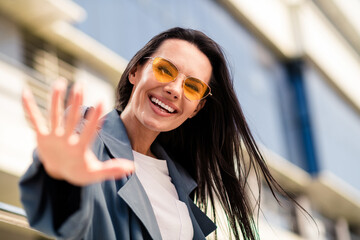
(184, 185)
(134, 195)
(114, 136)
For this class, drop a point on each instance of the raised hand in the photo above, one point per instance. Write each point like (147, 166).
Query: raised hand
(66, 155)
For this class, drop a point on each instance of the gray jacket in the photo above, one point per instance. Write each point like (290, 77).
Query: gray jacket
(115, 209)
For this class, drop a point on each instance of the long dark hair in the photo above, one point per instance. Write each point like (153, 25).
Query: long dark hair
(213, 145)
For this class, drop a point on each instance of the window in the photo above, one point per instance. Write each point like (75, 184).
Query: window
(46, 63)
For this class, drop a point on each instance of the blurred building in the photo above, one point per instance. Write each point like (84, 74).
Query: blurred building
(296, 69)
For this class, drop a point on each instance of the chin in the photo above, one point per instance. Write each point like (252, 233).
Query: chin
(153, 126)
(158, 127)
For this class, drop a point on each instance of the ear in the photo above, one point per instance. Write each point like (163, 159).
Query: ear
(198, 108)
(132, 75)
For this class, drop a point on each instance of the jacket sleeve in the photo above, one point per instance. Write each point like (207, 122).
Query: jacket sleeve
(55, 207)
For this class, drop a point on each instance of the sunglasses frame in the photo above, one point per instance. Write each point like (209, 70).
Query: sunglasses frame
(152, 61)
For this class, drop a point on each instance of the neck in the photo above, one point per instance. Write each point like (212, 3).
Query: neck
(140, 137)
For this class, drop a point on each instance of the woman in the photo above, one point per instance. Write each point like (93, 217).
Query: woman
(178, 116)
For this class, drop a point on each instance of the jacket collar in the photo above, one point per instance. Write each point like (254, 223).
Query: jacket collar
(114, 136)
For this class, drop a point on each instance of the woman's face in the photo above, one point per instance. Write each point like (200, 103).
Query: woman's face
(162, 106)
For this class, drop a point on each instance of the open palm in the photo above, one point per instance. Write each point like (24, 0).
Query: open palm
(65, 154)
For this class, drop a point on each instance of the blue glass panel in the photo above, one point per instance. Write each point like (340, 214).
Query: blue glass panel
(336, 128)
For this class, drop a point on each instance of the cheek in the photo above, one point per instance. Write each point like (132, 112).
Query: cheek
(189, 109)
(141, 87)
(146, 83)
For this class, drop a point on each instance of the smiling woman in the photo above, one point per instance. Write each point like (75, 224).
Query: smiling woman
(161, 87)
(175, 141)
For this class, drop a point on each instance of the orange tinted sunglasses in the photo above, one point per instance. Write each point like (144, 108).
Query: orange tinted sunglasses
(165, 72)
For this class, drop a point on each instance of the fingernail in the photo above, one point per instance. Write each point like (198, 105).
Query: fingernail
(60, 83)
(26, 93)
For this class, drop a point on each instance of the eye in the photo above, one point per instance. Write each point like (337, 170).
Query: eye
(165, 70)
(192, 87)
(195, 85)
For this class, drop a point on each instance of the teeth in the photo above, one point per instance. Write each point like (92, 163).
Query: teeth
(163, 105)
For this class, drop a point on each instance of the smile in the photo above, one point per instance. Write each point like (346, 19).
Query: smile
(162, 105)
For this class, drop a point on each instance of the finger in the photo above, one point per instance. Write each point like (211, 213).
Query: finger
(70, 97)
(74, 115)
(90, 128)
(56, 103)
(33, 111)
(114, 168)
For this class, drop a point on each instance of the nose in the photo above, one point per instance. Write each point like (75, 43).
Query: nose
(174, 89)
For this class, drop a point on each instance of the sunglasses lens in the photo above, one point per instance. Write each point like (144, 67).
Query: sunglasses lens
(164, 70)
(195, 89)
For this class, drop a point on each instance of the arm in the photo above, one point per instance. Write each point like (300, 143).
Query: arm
(49, 202)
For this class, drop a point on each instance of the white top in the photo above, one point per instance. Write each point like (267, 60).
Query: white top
(171, 214)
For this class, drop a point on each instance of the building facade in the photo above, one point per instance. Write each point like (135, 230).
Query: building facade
(296, 71)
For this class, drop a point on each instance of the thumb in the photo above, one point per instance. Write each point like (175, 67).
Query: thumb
(117, 168)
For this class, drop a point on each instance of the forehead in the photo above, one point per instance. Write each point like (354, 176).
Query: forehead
(187, 58)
